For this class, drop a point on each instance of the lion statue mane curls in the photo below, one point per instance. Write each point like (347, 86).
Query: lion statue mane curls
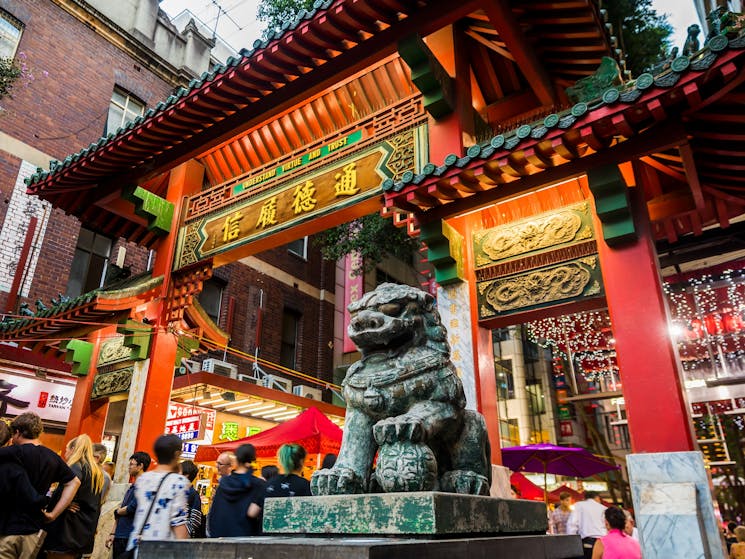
(405, 402)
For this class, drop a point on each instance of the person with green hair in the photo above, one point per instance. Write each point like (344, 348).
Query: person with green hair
(290, 483)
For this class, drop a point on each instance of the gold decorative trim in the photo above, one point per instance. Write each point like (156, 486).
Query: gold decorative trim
(113, 351)
(113, 382)
(550, 229)
(538, 287)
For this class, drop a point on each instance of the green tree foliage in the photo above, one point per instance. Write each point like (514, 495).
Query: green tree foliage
(276, 12)
(642, 32)
(9, 73)
(373, 237)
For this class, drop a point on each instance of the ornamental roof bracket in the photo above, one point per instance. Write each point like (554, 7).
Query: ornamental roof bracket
(79, 353)
(429, 76)
(612, 204)
(157, 211)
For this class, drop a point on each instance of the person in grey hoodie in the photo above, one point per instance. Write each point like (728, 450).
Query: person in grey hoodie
(238, 500)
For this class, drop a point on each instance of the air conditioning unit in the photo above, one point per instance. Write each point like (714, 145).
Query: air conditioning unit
(249, 378)
(307, 392)
(220, 368)
(278, 383)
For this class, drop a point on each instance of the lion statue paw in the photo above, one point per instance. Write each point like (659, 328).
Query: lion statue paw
(336, 481)
(394, 429)
(464, 482)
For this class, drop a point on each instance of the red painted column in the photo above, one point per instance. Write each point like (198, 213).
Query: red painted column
(88, 416)
(445, 137)
(656, 406)
(184, 180)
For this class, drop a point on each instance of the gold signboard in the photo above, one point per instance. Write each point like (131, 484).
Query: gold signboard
(338, 185)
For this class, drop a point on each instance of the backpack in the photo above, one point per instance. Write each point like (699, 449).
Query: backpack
(196, 524)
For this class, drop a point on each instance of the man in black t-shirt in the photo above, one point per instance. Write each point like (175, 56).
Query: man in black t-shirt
(23, 533)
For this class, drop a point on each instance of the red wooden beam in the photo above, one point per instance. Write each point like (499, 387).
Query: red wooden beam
(689, 166)
(501, 17)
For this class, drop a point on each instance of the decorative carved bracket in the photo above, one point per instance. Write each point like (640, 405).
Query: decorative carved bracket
(612, 204)
(157, 211)
(428, 76)
(444, 251)
(137, 337)
(79, 353)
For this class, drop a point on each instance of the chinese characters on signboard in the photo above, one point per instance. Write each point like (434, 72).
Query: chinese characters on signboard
(353, 287)
(304, 198)
(51, 400)
(192, 424)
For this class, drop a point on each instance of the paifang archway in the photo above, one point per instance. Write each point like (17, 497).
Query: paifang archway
(306, 131)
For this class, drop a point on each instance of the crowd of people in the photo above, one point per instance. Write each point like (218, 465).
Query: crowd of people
(53, 504)
(606, 532)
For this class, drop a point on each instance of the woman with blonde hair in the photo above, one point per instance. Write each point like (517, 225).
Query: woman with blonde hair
(72, 534)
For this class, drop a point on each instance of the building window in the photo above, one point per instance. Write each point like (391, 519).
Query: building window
(290, 329)
(505, 379)
(89, 263)
(10, 34)
(299, 248)
(211, 298)
(124, 108)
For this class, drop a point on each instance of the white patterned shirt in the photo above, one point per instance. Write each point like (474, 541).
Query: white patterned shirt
(170, 509)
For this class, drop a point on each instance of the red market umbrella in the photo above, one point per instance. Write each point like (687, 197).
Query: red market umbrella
(576, 495)
(315, 432)
(551, 459)
(528, 490)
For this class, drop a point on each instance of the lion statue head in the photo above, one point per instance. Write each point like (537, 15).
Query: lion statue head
(394, 318)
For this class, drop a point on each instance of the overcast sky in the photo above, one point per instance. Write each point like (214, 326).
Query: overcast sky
(237, 25)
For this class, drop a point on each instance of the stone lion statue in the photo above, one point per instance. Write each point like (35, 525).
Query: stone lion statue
(405, 402)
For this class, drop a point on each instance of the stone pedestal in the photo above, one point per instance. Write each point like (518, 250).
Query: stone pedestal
(387, 526)
(272, 547)
(426, 513)
(674, 507)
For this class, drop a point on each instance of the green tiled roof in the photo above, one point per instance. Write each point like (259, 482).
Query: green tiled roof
(628, 94)
(206, 78)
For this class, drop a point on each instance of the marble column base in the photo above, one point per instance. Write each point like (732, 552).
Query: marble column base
(674, 507)
(500, 482)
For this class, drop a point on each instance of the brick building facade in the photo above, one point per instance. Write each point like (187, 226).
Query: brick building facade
(82, 55)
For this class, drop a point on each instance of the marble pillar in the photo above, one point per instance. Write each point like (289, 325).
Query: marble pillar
(453, 304)
(674, 506)
(132, 416)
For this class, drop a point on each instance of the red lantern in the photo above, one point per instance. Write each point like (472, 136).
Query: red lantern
(695, 330)
(714, 324)
(733, 322)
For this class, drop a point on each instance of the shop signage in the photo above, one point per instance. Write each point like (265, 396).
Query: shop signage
(565, 412)
(340, 184)
(50, 399)
(191, 423)
(566, 429)
(189, 450)
(228, 431)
